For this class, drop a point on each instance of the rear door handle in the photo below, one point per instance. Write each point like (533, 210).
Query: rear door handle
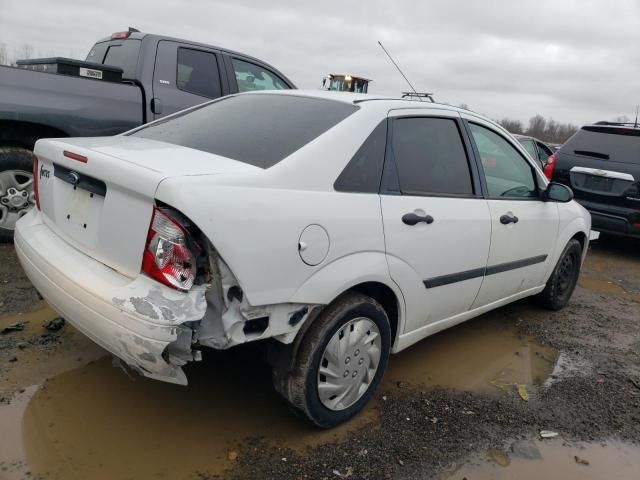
(412, 219)
(508, 218)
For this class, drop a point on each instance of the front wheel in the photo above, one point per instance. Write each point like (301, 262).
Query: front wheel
(563, 280)
(340, 361)
(16, 188)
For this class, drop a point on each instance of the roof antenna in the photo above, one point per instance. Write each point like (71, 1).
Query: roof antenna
(396, 65)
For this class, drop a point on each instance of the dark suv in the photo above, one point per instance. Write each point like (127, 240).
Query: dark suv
(601, 163)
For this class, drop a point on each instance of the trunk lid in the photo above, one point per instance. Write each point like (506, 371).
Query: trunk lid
(98, 193)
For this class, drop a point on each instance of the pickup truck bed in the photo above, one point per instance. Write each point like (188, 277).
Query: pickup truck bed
(75, 106)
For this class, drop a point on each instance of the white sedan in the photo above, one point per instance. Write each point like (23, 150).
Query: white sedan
(340, 227)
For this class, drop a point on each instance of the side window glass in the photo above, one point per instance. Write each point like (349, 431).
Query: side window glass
(430, 157)
(543, 152)
(253, 77)
(530, 147)
(198, 73)
(363, 172)
(507, 173)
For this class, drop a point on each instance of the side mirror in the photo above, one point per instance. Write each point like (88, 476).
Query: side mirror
(557, 192)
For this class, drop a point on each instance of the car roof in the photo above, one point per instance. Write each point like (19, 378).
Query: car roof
(365, 99)
(141, 35)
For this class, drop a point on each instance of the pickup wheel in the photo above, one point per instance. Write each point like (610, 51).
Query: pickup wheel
(563, 280)
(16, 188)
(340, 361)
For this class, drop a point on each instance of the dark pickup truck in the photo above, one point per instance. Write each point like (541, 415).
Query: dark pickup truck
(127, 79)
(601, 163)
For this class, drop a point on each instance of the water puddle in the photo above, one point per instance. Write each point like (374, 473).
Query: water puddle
(481, 355)
(40, 356)
(557, 459)
(602, 285)
(96, 422)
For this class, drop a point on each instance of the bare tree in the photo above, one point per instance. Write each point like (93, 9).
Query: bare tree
(25, 52)
(541, 128)
(4, 55)
(537, 125)
(622, 119)
(512, 126)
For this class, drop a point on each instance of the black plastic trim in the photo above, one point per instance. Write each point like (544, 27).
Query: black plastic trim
(84, 182)
(481, 272)
(454, 278)
(525, 262)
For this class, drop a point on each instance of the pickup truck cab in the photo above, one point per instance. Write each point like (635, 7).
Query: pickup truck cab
(155, 76)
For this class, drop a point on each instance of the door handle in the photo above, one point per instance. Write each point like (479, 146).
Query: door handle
(156, 106)
(508, 218)
(412, 219)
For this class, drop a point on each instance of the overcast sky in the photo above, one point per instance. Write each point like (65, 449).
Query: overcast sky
(574, 60)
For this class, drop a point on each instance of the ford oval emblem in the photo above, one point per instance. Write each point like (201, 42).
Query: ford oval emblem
(73, 178)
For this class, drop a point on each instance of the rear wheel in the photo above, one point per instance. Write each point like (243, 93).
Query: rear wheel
(340, 362)
(16, 188)
(564, 277)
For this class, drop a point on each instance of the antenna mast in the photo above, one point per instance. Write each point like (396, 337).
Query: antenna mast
(396, 65)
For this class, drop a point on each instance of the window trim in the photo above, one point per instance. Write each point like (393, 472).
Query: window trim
(390, 176)
(337, 188)
(478, 162)
(232, 72)
(209, 52)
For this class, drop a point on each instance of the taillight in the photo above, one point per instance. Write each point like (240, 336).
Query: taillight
(36, 193)
(119, 35)
(168, 256)
(549, 166)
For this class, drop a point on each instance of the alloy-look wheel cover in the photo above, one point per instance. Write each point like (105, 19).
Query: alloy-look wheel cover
(349, 364)
(16, 196)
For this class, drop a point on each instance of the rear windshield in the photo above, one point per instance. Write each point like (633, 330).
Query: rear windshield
(609, 143)
(117, 53)
(257, 129)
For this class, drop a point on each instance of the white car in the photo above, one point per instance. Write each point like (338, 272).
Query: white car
(341, 227)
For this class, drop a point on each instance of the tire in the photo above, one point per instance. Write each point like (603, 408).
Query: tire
(16, 166)
(563, 279)
(350, 317)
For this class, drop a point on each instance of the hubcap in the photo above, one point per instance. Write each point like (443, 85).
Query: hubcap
(16, 196)
(349, 364)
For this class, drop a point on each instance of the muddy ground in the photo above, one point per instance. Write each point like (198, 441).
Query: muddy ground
(467, 403)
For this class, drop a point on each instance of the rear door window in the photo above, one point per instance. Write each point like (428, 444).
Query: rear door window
(252, 77)
(119, 53)
(198, 73)
(258, 129)
(430, 157)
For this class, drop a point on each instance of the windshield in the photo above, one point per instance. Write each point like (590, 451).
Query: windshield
(257, 129)
(117, 53)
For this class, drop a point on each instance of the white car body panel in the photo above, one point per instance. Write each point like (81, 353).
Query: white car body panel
(255, 220)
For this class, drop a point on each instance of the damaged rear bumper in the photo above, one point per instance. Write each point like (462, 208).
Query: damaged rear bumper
(133, 319)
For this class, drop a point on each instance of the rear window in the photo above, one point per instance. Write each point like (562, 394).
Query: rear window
(256, 129)
(607, 143)
(118, 53)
